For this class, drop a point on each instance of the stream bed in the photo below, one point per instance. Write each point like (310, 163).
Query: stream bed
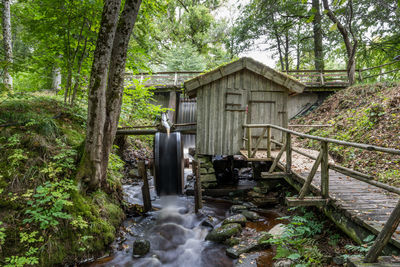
(177, 234)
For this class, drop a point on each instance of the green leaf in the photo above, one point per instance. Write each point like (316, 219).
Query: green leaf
(333, 27)
(294, 256)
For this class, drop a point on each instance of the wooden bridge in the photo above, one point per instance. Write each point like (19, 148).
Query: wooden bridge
(356, 202)
(326, 80)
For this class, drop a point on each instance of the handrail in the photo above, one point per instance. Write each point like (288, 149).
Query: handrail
(329, 140)
(322, 160)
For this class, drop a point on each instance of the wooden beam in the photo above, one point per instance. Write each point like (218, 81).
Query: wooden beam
(268, 142)
(278, 157)
(260, 138)
(306, 186)
(288, 153)
(384, 236)
(145, 187)
(307, 201)
(324, 170)
(274, 175)
(249, 142)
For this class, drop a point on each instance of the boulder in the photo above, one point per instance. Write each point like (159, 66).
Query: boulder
(277, 231)
(192, 151)
(238, 218)
(251, 215)
(248, 260)
(220, 234)
(209, 221)
(283, 263)
(211, 170)
(207, 178)
(249, 243)
(203, 171)
(233, 241)
(189, 177)
(238, 208)
(141, 247)
(209, 185)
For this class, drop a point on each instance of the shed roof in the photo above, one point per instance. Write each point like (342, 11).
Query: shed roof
(250, 64)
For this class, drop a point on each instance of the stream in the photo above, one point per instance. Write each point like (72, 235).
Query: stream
(177, 235)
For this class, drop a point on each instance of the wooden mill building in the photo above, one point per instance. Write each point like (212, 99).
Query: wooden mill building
(242, 92)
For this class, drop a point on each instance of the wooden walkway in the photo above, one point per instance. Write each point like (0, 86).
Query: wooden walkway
(366, 204)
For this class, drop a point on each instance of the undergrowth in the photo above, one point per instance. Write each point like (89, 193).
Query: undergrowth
(44, 218)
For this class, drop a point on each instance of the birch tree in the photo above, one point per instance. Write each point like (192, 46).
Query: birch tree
(7, 79)
(106, 89)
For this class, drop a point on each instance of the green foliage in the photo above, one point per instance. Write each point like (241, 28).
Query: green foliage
(49, 202)
(296, 242)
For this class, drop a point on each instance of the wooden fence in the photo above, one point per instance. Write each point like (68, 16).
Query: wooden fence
(322, 160)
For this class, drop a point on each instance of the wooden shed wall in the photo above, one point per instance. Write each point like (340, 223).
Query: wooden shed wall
(221, 114)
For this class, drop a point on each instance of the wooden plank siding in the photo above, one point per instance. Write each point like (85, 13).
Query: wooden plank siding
(227, 101)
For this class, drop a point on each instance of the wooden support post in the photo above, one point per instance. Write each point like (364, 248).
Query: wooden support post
(145, 187)
(384, 236)
(278, 157)
(260, 138)
(322, 78)
(288, 153)
(198, 204)
(248, 142)
(324, 170)
(304, 190)
(268, 142)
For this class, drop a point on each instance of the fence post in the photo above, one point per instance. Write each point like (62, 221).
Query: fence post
(248, 142)
(384, 236)
(322, 78)
(268, 141)
(198, 204)
(288, 153)
(145, 187)
(324, 170)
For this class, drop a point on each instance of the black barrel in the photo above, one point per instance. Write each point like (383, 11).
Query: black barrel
(168, 162)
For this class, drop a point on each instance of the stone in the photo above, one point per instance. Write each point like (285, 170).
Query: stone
(208, 178)
(203, 171)
(220, 234)
(251, 215)
(189, 177)
(238, 208)
(192, 151)
(339, 260)
(248, 260)
(254, 194)
(209, 221)
(277, 231)
(249, 243)
(238, 218)
(211, 170)
(209, 185)
(141, 247)
(233, 241)
(283, 263)
(264, 201)
(133, 173)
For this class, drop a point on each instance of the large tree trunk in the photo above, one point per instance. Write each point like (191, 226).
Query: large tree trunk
(91, 164)
(351, 48)
(8, 81)
(115, 87)
(56, 81)
(317, 28)
(106, 89)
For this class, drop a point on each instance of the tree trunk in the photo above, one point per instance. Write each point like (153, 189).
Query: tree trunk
(8, 81)
(115, 86)
(351, 48)
(56, 82)
(91, 164)
(78, 79)
(317, 28)
(106, 89)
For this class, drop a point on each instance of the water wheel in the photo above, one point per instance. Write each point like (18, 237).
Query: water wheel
(168, 163)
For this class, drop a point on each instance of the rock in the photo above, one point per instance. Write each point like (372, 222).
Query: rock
(224, 232)
(283, 263)
(209, 185)
(251, 215)
(208, 178)
(248, 260)
(254, 194)
(203, 171)
(249, 205)
(140, 247)
(233, 241)
(339, 260)
(211, 170)
(209, 222)
(277, 231)
(192, 151)
(189, 177)
(264, 201)
(238, 208)
(249, 243)
(133, 173)
(238, 218)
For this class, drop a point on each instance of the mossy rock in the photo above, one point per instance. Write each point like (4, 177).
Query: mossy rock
(238, 208)
(238, 218)
(140, 247)
(208, 178)
(224, 232)
(251, 215)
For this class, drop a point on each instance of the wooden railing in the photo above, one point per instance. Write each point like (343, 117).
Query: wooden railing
(322, 160)
(311, 78)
